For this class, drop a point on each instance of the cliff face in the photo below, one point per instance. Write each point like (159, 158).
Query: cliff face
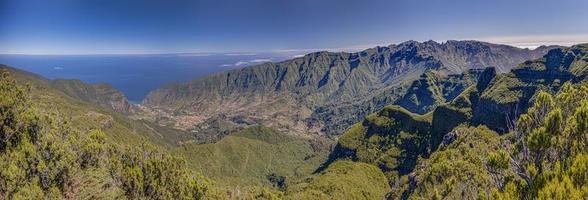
(304, 95)
(101, 94)
(434, 88)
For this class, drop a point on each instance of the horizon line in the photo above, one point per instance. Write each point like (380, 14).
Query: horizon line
(522, 42)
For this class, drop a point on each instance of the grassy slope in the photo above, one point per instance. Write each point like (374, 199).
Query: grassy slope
(85, 116)
(45, 155)
(246, 158)
(391, 139)
(343, 180)
(243, 159)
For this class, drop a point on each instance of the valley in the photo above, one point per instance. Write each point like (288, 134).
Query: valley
(323, 93)
(293, 100)
(420, 120)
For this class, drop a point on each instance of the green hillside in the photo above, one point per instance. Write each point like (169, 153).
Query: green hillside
(43, 156)
(342, 180)
(271, 153)
(462, 168)
(543, 158)
(508, 95)
(100, 94)
(426, 156)
(392, 139)
(89, 115)
(434, 88)
(481, 135)
(253, 155)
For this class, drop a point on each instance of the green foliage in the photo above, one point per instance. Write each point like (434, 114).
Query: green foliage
(248, 157)
(559, 189)
(146, 172)
(511, 94)
(45, 157)
(391, 139)
(343, 180)
(86, 116)
(467, 168)
(553, 155)
(499, 160)
(434, 88)
(476, 163)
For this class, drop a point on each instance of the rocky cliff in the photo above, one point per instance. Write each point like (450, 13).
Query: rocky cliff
(101, 94)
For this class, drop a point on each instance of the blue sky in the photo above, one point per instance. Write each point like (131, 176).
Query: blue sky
(170, 26)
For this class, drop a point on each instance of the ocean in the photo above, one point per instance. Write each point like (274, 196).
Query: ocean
(136, 75)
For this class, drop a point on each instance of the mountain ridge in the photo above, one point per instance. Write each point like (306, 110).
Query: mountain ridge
(409, 147)
(262, 93)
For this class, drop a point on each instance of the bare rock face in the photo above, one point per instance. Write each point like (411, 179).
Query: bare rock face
(325, 92)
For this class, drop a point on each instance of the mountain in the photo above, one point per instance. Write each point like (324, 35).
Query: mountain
(101, 94)
(47, 155)
(477, 134)
(434, 88)
(246, 159)
(439, 153)
(543, 156)
(508, 95)
(86, 109)
(304, 96)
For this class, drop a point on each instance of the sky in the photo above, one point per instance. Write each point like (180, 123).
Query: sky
(200, 26)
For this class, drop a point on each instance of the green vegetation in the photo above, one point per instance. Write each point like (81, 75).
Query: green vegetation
(542, 157)
(423, 94)
(434, 88)
(101, 94)
(275, 153)
(336, 90)
(509, 95)
(545, 157)
(343, 180)
(44, 157)
(551, 151)
(391, 139)
(55, 143)
(253, 155)
(87, 116)
(466, 168)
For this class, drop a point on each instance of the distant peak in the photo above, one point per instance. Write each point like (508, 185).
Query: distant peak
(431, 42)
(409, 42)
